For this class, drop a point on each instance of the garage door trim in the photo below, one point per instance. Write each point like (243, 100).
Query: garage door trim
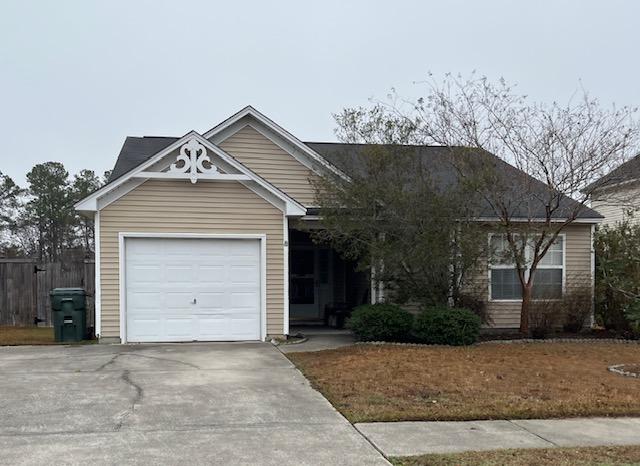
(122, 236)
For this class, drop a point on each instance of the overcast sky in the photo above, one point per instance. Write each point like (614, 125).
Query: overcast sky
(76, 77)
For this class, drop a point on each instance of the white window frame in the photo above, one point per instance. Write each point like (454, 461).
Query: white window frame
(526, 273)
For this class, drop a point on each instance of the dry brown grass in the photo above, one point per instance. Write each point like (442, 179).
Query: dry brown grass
(26, 336)
(492, 381)
(535, 457)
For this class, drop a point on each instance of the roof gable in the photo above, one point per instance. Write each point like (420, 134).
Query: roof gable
(274, 132)
(259, 153)
(162, 165)
(628, 172)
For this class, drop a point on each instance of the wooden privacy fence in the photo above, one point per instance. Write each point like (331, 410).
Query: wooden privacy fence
(25, 285)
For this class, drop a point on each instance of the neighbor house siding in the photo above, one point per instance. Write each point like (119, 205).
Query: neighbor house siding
(616, 204)
(578, 274)
(272, 163)
(182, 207)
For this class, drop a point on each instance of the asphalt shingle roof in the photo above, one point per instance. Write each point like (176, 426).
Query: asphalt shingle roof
(526, 196)
(136, 150)
(346, 157)
(628, 171)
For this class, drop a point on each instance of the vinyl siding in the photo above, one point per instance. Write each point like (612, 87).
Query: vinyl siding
(577, 274)
(181, 207)
(615, 204)
(272, 163)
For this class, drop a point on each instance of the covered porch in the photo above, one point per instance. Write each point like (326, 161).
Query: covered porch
(323, 287)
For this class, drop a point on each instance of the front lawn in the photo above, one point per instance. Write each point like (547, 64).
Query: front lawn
(490, 381)
(26, 336)
(534, 457)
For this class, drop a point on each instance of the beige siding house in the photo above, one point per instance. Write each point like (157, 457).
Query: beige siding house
(618, 202)
(205, 238)
(573, 267)
(617, 194)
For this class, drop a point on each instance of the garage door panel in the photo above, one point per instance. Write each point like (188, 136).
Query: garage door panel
(242, 300)
(164, 275)
(141, 274)
(213, 301)
(145, 300)
(179, 274)
(243, 328)
(213, 327)
(245, 274)
(177, 300)
(176, 326)
(145, 329)
(211, 274)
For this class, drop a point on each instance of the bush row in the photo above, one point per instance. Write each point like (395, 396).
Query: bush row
(434, 325)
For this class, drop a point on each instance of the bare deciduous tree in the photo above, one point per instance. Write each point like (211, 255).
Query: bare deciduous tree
(560, 150)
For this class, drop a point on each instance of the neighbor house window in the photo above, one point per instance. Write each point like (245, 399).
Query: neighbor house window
(503, 275)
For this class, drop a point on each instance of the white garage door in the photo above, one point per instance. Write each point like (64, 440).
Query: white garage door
(192, 289)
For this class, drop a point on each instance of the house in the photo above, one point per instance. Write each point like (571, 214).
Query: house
(204, 238)
(617, 195)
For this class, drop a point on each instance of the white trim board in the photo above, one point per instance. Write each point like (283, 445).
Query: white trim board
(97, 294)
(122, 236)
(285, 246)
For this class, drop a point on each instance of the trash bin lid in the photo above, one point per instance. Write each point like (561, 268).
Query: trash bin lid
(68, 291)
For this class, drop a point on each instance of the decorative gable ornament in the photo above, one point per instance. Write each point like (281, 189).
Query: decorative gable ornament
(191, 159)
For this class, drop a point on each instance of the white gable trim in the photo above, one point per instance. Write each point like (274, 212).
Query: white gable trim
(276, 134)
(113, 191)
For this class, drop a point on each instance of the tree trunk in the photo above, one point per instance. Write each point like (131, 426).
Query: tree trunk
(525, 309)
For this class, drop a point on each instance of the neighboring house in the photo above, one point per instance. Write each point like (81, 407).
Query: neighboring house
(201, 238)
(617, 195)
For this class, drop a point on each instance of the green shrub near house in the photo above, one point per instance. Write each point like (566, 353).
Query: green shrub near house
(447, 326)
(380, 322)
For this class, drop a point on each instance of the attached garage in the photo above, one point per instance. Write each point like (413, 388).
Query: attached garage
(192, 288)
(192, 233)
(191, 245)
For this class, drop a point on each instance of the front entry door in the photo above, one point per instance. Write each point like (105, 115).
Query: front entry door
(310, 282)
(303, 287)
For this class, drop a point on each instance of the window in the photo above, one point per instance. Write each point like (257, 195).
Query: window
(504, 283)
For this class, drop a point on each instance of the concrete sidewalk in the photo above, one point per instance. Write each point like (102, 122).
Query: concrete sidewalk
(319, 339)
(419, 438)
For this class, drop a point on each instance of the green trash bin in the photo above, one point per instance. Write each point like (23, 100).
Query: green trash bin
(68, 307)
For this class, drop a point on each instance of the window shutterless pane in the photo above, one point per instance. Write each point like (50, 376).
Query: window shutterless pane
(547, 284)
(554, 254)
(505, 284)
(499, 248)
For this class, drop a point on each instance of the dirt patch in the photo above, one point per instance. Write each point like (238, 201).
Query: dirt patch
(534, 457)
(26, 336)
(490, 381)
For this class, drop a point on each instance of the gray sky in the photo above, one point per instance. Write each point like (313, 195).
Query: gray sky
(76, 77)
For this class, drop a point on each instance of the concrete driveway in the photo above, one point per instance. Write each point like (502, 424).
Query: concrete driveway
(167, 404)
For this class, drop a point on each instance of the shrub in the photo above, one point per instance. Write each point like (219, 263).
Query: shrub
(576, 309)
(380, 322)
(570, 312)
(475, 304)
(543, 318)
(617, 275)
(447, 326)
